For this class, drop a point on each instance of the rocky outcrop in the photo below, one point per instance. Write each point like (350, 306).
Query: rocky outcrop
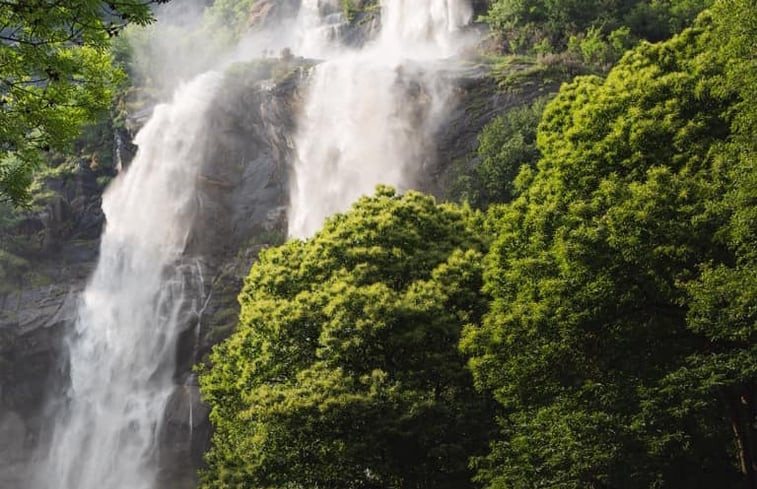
(265, 14)
(58, 243)
(475, 101)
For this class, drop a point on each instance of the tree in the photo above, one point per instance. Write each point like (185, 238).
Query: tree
(622, 328)
(55, 75)
(344, 369)
(505, 145)
(724, 296)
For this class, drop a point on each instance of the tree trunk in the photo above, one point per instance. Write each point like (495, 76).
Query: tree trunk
(743, 413)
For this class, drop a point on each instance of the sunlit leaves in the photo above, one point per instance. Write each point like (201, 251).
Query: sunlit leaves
(344, 370)
(55, 74)
(613, 282)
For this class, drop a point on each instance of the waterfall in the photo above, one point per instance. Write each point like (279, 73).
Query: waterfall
(317, 27)
(122, 350)
(368, 117)
(370, 114)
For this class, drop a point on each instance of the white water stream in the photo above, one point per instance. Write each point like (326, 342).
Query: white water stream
(370, 114)
(122, 351)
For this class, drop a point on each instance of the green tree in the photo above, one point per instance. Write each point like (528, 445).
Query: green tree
(505, 145)
(344, 369)
(55, 75)
(724, 296)
(619, 341)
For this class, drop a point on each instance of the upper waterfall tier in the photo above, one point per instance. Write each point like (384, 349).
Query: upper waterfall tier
(370, 114)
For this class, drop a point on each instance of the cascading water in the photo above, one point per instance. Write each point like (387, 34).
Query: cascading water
(317, 27)
(122, 349)
(370, 114)
(368, 118)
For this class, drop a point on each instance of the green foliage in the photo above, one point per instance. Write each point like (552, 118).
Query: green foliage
(349, 9)
(55, 74)
(505, 145)
(527, 26)
(659, 19)
(596, 49)
(344, 369)
(723, 298)
(620, 339)
(352, 8)
(229, 15)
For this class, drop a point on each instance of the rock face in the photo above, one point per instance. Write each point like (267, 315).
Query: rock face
(477, 99)
(241, 203)
(60, 239)
(242, 198)
(269, 13)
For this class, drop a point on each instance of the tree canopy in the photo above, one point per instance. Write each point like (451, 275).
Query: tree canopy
(55, 75)
(599, 31)
(621, 334)
(344, 370)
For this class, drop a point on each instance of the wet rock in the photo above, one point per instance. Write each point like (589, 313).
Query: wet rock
(476, 100)
(184, 436)
(32, 325)
(13, 432)
(241, 199)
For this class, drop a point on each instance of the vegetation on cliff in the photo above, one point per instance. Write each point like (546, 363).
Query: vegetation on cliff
(549, 26)
(505, 146)
(614, 325)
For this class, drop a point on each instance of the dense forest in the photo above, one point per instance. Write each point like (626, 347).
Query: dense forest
(581, 313)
